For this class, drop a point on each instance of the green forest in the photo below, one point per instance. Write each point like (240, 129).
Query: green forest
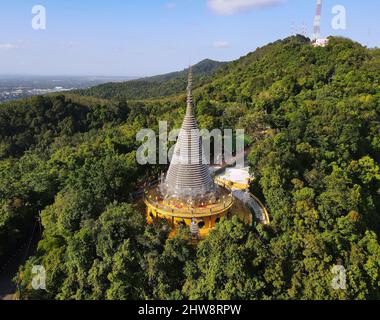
(313, 115)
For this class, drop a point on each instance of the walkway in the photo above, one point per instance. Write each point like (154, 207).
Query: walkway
(257, 207)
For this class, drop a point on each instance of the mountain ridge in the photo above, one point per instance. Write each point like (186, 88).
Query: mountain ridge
(155, 86)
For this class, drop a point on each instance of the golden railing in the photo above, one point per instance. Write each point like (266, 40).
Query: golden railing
(186, 212)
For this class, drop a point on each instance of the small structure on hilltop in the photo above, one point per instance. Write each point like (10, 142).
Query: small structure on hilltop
(321, 42)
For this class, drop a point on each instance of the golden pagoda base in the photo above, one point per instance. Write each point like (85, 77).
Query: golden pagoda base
(207, 216)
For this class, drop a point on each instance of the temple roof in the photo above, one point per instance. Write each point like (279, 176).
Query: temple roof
(189, 176)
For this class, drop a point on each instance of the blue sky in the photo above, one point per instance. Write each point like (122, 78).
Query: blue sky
(145, 37)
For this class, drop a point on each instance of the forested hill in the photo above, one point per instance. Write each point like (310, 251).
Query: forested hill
(156, 86)
(314, 117)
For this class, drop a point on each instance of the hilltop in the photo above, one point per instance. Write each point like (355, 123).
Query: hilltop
(156, 86)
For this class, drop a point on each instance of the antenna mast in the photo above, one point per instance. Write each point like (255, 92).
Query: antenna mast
(317, 21)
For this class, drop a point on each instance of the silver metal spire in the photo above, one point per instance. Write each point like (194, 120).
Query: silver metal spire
(189, 109)
(188, 179)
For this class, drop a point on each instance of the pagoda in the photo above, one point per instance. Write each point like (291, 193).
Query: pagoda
(187, 195)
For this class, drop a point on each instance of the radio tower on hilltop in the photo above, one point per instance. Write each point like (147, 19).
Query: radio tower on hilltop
(317, 21)
(317, 40)
(302, 30)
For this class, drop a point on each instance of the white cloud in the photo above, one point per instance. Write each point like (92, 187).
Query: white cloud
(221, 44)
(72, 44)
(8, 46)
(170, 5)
(229, 7)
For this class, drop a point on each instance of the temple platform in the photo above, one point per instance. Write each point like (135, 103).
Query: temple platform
(207, 216)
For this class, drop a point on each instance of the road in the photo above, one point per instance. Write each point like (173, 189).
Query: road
(9, 270)
(7, 287)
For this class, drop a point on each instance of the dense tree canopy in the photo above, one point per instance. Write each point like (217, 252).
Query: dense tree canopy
(313, 115)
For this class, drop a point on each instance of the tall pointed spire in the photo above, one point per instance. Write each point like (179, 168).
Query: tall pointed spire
(189, 109)
(188, 178)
